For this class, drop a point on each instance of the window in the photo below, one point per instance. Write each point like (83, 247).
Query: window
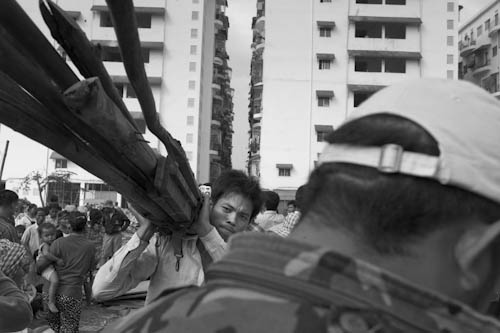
(395, 30)
(479, 30)
(190, 120)
(98, 187)
(190, 102)
(189, 138)
(192, 84)
(194, 33)
(111, 54)
(368, 30)
(321, 136)
(494, 51)
(105, 20)
(193, 49)
(367, 64)
(395, 65)
(449, 75)
(120, 88)
(449, 40)
(323, 101)
(195, 15)
(395, 2)
(449, 59)
(496, 18)
(323, 1)
(370, 2)
(487, 25)
(361, 96)
(449, 24)
(143, 20)
(196, 1)
(325, 32)
(284, 172)
(61, 163)
(130, 92)
(189, 155)
(451, 6)
(192, 67)
(324, 64)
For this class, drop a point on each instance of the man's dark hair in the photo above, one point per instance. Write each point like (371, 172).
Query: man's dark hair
(77, 221)
(291, 202)
(45, 226)
(41, 209)
(388, 211)
(31, 206)
(237, 182)
(271, 200)
(8, 197)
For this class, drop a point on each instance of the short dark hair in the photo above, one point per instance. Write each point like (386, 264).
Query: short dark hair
(237, 182)
(8, 197)
(41, 209)
(271, 200)
(77, 221)
(31, 206)
(388, 211)
(45, 226)
(291, 202)
(20, 228)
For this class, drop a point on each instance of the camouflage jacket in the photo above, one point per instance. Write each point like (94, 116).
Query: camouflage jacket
(270, 284)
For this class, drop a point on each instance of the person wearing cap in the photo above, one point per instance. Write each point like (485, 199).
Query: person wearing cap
(399, 230)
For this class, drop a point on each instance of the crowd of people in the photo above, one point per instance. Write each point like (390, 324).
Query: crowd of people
(396, 230)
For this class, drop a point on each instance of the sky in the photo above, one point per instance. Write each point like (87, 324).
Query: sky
(25, 156)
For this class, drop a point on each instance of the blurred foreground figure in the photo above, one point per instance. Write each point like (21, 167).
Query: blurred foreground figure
(399, 230)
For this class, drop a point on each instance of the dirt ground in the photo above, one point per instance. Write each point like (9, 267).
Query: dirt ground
(94, 317)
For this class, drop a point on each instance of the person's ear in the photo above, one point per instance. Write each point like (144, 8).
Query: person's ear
(472, 245)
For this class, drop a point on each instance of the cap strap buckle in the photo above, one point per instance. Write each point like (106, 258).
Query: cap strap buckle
(391, 156)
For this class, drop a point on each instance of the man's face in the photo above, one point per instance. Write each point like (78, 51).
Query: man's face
(53, 212)
(231, 214)
(32, 212)
(40, 217)
(291, 208)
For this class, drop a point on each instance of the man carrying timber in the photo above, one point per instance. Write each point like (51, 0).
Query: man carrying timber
(172, 262)
(399, 232)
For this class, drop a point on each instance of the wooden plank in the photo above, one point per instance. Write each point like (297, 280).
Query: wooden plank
(27, 116)
(124, 21)
(81, 51)
(21, 70)
(18, 24)
(91, 104)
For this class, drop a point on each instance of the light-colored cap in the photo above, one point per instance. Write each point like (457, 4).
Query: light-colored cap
(463, 118)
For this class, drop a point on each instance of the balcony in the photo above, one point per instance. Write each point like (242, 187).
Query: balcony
(151, 38)
(494, 30)
(370, 81)
(218, 61)
(384, 47)
(140, 6)
(216, 87)
(218, 24)
(409, 13)
(466, 47)
(482, 68)
(118, 74)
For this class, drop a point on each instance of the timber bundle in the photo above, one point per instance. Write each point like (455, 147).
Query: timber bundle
(86, 121)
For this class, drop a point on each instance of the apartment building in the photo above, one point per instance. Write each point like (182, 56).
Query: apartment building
(315, 61)
(183, 45)
(478, 47)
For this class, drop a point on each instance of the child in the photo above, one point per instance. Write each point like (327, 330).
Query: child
(47, 233)
(20, 230)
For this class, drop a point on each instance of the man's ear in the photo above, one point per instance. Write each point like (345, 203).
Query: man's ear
(470, 247)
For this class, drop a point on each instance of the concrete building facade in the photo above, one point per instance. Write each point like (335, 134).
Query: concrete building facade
(316, 61)
(478, 46)
(183, 45)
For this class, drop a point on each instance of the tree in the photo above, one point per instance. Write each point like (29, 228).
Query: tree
(42, 182)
